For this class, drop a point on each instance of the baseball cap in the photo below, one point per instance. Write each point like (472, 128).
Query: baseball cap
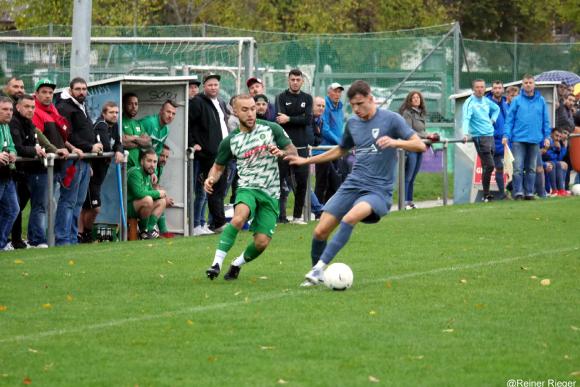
(44, 82)
(194, 82)
(207, 77)
(336, 85)
(253, 80)
(258, 97)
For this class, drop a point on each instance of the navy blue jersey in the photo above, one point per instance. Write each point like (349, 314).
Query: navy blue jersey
(374, 168)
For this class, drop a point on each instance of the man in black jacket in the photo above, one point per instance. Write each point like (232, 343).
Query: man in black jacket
(294, 109)
(107, 133)
(30, 142)
(73, 192)
(207, 128)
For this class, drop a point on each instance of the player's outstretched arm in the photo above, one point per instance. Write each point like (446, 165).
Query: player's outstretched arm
(214, 175)
(413, 144)
(333, 154)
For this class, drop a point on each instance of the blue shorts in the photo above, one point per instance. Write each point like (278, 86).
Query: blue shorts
(347, 197)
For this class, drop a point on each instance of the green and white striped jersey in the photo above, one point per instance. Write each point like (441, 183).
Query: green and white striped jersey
(257, 168)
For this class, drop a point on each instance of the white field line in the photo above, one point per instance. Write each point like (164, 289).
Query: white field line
(265, 297)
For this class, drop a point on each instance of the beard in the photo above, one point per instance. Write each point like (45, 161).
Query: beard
(80, 98)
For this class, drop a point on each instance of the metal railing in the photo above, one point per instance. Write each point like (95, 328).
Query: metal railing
(51, 208)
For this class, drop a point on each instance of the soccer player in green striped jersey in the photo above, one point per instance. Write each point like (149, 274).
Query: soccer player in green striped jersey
(256, 145)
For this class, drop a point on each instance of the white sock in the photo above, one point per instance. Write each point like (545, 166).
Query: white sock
(239, 261)
(219, 258)
(320, 264)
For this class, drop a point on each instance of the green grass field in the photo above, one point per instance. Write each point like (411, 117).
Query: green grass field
(444, 296)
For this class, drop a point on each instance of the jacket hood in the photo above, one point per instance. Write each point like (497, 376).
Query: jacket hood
(66, 95)
(536, 94)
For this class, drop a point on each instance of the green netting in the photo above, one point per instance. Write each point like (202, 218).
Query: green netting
(383, 58)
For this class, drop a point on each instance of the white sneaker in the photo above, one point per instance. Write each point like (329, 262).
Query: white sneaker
(39, 246)
(298, 221)
(8, 247)
(198, 231)
(206, 231)
(313, 277)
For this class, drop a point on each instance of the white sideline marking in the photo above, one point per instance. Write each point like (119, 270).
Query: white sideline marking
(277, 295)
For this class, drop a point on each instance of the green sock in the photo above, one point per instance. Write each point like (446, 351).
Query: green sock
(151, 222)
(227, 238)
(143, 224)
(251, 252)
(162, 224)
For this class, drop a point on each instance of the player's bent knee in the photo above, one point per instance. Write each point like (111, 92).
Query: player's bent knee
(238, 222)
(261, 241)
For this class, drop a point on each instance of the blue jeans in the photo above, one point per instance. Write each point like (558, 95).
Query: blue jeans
(556, 176)
(38, 204)
(9, 209)
(315, 206)
(70, 204)
(412, 167)
(200, 200)
(525, 156)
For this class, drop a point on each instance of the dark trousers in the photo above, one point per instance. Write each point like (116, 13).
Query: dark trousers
(215, 201)
(484, 145)
(327, 180)
(23, 197)
(299, 179)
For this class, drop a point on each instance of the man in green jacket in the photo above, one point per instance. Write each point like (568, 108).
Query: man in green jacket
(9, 208)
(143, 201)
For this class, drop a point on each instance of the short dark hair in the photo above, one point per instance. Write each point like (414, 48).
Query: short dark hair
(148, 151)
(295, 72)
(126, 97)
(170, 102)
(13, 78)
(358, 87)
(107, 105)
(25, 97)
(76, 80)
(497, 82)
(476, 80)
(528, 76)
(4, 99)
(165, 146)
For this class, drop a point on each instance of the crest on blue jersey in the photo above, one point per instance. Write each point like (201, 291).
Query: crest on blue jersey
(375, 132)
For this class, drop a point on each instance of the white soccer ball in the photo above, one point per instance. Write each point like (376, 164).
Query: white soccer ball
(338, 276)
(576, 190)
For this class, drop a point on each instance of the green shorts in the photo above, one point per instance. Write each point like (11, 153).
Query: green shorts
(264, 210)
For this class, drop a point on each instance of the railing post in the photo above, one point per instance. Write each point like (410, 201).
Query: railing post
(190, 189)
(445, 176)
(401, 158)
(307, 201)
(50, 202)
(125, 224)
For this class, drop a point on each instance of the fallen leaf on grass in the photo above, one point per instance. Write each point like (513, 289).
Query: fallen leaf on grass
(212, 359)
(71, 262)
(463, 281)
(266, 347)
(161, 276)
(447, 330)
(373, 379)
(32, 350)
(372, 313)
(545, 282)
(567, 357)
(263, 277)
(479, 306)
(27, 380)
(388, 284)
(150, 245)
(169, 262)
(24, 274)
(18, 261)
(419, 357)
(238, 293)
(533, 277)
(575, 373)
(3, 308)
(246, 300)
(69, 297)
(524, 268)
(574, 328)
(47, 306)
(48, 366)
(189, 322)
(281, 381)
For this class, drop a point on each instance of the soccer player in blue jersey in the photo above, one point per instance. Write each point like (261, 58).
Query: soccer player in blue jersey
(366, 195)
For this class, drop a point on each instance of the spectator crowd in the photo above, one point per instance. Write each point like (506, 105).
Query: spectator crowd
(34, 125)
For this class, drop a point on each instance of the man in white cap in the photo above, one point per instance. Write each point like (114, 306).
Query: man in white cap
(256, 88)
